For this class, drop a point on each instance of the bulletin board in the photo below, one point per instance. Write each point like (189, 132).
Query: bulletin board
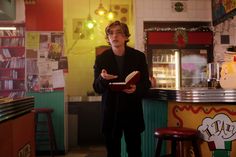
(223, 10)
(45, 61)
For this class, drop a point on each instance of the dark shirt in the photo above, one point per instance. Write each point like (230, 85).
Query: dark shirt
(120, 63)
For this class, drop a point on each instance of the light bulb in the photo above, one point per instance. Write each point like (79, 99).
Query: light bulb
(101, 11)
(110, 15)
(90, 24)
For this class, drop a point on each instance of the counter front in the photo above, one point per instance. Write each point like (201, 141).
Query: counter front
(17, 128)
(211, 111)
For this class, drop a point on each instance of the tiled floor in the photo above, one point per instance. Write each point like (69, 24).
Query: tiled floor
(90, 151)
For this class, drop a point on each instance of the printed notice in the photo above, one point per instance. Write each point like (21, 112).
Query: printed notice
(58, 79)
(32, 40)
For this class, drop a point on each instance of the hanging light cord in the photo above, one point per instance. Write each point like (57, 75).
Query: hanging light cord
(89, 7)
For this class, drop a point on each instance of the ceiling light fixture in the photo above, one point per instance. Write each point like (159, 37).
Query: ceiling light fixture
(90, 23)
(110, 14)
(101, 11)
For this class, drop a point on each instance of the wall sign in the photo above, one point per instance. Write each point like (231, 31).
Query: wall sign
(26, 151)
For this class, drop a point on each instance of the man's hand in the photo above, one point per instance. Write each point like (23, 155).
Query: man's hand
(107, 76)
(130, 90)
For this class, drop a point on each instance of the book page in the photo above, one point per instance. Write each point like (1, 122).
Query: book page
(132, 78)
(131, 75)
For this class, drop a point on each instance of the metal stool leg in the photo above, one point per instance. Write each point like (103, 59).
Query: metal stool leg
(52, 139)
(196, 148)
(158, 147)
(173, 148)
(47, 128)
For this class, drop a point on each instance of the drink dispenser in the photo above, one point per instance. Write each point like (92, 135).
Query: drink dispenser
(213, 75)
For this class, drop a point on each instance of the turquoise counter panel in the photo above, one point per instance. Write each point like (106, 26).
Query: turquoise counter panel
(155, 115)
(53, 100)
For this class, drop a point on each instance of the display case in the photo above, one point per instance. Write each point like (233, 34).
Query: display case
(12, 60)
(179, 62)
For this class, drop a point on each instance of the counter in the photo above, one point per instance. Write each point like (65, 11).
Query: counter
(194, 95)
(17, 128)
(211, 111)
(10, 108)
(85, 118)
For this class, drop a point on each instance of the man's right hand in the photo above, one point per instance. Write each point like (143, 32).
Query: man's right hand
(107, 76)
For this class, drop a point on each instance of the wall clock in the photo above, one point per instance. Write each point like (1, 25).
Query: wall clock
(178, 6)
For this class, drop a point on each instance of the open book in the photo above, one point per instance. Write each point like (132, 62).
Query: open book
(132, 78)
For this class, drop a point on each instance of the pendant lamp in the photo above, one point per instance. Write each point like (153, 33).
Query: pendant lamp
(101, 11)
(90, 23)
(110, 14)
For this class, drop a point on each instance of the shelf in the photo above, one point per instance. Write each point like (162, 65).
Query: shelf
(13, 79)
(163, 63)
(12, 47)
(11, 90)
(9, 69)
(11, 37)
(12, 65)
(194, 78)
(165, 77)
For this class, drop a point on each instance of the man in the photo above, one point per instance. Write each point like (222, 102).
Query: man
(122, 110)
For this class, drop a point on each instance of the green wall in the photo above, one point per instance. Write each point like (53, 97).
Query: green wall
(53, 100)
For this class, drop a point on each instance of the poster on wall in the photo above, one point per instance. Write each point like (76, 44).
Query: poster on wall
(44, 54)
(223, 10)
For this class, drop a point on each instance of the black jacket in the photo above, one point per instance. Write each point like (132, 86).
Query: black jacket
(121, 109)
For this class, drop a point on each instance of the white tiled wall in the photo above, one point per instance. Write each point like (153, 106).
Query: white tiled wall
(227, 27)
(161, 10)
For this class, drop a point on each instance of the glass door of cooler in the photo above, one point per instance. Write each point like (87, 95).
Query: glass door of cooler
(193, 68)
(165, 68)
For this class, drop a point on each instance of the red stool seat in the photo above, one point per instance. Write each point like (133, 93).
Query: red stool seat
(176, 135)
(45, 127)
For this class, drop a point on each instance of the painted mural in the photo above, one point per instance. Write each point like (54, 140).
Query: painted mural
(222, 10)
(215, 122)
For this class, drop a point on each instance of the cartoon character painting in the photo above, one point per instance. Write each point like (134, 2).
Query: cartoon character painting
(218, 132)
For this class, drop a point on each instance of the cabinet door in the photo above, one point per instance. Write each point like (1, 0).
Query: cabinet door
(6, 139)
(193, 68)
(24, 135)
(165, 68)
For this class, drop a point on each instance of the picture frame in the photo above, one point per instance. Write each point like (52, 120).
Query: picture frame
(222, 10)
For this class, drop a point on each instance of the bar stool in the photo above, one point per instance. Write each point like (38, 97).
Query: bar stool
(44, 127)
(176, 135)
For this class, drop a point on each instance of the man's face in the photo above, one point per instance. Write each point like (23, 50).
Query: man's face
(116, 36)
